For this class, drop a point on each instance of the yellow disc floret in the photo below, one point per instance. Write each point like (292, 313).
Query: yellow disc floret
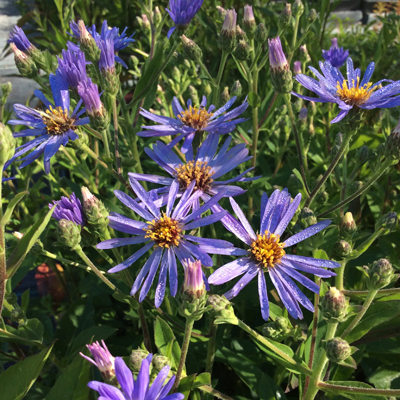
(198, 171)
(165, 232)
(195, 117)
(57, 120)
(356, 95)
(267, 250)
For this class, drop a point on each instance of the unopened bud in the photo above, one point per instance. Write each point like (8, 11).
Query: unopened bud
(281, 75)
(282, 323)
(354, 186)
(298, 8)
(207, 89)
(133, 62)
(322, 197)
(347, 227)
(221, 308)
(6, 89)
(194, 95)
(249, 22)
(277, 330)
(221, 11)
(285, 19)
(261, 34)
(297, 67)
(145, 22)
(17, 314)
(342, 249)
(157, 16)
(242, 51)
(224, 97)
(69, 234)
(312, 16)
(25, 64)
(306, 218)
(227, 37)
(298, 106)
(87, 43)
(236, 89)
(94, 210)
(337, 350)
(388, 222)
(312, 108)
(136, 358)
(177, 74)
(240, 33)
(334, 306)
(304, 56)
(159, 362)
(380, 274)
(7, 144)
(190, 49)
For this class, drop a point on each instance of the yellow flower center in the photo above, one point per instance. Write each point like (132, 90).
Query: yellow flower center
(165, 232)
(198, 171)
(267, 250)
(195, 117)
(356, 95)
(57, 120)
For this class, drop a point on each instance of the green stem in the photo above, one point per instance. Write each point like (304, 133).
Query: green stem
(360, 191)
(293, 48)
(185, 347)
(3, 274)
(205, 70)
(117, 156)
(340, 275)
(357, 318)
(384, 292)
(319, 366)
(224, 57)
(342, 150)
(145, 328)
(271, 346)
(104, 138)
(300, 151)
(211, 346)
(349, 389)
(64, 260)
(215, 393)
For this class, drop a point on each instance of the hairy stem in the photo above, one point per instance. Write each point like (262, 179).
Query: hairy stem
(117, 156)
(217, 89)
(211, 347)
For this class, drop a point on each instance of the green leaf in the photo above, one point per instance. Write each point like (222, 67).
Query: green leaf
(10, 208)
(30, 333)
(353, 396)
(202, 379)
(254, 99)
(16, 381)
(299, 177)
(26, 243)
(386, 377)
(166, 342)
(72, 383)
(376, 314)
(185, 385)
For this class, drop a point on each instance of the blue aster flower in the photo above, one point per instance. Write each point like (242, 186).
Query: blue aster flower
(89, 93)
(164, 233)
(337, 56)
(72, 67)
(107, 61)
(69, 209)
(204, 169)
(182, 12)
(18, 37)
(53, 127)
(194, 120)
(266, 254)
(139, 389)
(331, 87)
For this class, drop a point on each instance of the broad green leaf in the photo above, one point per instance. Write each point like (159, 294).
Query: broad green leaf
(299, 177)
(10, 208)
(186, 384)
(26, 243)
(16, 381)
(166, 342)
(202, 379)
(376, 314)
(30, 333)
(254, 99)
(72, 383)
(386, 377)
(353, 396)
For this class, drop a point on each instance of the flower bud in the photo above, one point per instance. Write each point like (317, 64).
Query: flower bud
(6, 89)
(281, 75)
(347, 227)
(312, 108)
(194, 95)
(17, 314)
(145, 22)
(354, 186)
(242, 51)
(277, 330)
(306, 218)
(298, 106)
(221, 11)
(157, 16)
(249, 22)
(159, 362)
(322, 197)
(224, 96)
(7, 144)
(69, 234)
(12, 298)
(236, 89)
(282, 323)
(133, 62)
(388, 222)
(392, 145)
(221, 308)
(261, 34)
(380, 274)
(297, 67)
(342, 249)
(312, 16)
(298, 8)
(25, 64)
(240, 33)
(87, 43)
(334, 306)
(136, 358)
(94, 210)
(337, 350)
(227, 37)
(285, 19)
(176, 73)
(190, 49)
(304, 56)
(294, 184)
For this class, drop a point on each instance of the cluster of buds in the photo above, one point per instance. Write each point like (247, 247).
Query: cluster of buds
(281, 75)
(227, 37)
(347, 227)
(193, 295)
(381, 274)
(334, 306)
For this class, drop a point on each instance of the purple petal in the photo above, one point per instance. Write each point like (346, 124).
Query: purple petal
(262, 293)
(242, 282)
(230, 271)
(306, 233)
(134, 257)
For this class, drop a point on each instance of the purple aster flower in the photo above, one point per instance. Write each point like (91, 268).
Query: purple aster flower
(164, 233)
(18, 37)
(102, 359)
(182, 12)
(89, 93)
(204, 169)
(337, 56)
(331, 87)
(297, 67)
(266, 254)
(107, 61)
(72, 67)
(69, 209)
(139, 390)
(194, 120)
(193, 285)
(53, 127)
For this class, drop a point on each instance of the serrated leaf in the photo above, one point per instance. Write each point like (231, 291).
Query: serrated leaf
(16, 381)
(26, 243)
(10, 208)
